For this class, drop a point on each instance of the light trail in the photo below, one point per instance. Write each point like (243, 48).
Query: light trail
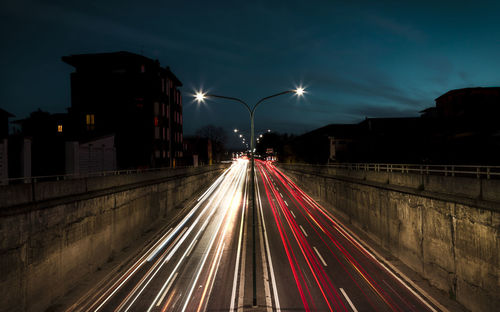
(231, 210)
(329, 293)
(268, 254)
(320, 219)
(176, 247)
(238, 253)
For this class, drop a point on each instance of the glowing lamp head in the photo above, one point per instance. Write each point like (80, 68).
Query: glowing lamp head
(300, 91)
(235, 130)
(200, 96)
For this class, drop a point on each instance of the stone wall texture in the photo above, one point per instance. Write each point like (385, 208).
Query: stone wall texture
(54, 233)
(445, 228)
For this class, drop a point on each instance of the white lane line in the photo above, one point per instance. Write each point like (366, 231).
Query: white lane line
(218, 227)
(348, 300)
(305, 234)
(320, 257)
(191, 249)
(391, 269)
(166, 290)
(265, 273)
(268, 253)
(286, 204)
(238, 254)
(241, 290)
(293, 214)
(219, 197)
(281, 195)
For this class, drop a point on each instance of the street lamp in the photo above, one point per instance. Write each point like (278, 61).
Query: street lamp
(200, 96)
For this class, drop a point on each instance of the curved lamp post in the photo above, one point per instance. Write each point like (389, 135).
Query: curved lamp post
(201, 97)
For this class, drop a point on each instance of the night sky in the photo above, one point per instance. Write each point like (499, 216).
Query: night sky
(378, 59)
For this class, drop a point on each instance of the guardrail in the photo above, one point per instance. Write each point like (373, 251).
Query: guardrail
(35, 179)
(488, 172)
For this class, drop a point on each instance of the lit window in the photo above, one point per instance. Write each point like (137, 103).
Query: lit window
(90, 121)
(143, 69)
(59, 128)
(156, 121)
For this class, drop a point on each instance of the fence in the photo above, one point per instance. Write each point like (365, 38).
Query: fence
(488, 172)
(84, 175)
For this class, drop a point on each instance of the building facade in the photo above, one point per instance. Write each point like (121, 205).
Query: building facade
(133, 98)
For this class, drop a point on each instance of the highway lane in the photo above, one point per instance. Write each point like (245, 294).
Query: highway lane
(193, 266)
(317, 264)
(306, 260)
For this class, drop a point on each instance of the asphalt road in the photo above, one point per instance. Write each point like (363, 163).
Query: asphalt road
(319, 266)
(304, 258)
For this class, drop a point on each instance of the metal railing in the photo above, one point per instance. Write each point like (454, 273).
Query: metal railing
(62, 177)
(477, 171)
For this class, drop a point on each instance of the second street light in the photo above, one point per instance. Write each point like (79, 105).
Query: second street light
(200, 96)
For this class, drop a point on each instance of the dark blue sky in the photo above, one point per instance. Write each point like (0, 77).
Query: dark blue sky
(357, 60)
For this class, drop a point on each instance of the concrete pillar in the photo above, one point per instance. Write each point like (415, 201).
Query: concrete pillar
(72, 158)
(26, 158)
(4, 163)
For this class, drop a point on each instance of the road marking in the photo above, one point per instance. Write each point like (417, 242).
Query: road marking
(286, 203)
(304, 231)
(396, 293)
(238, 253)
(271, 269)
(348, 300)
(382, 261)
(191, 249)
(281, 195)
(241, 291)
(320, 257)
(293, 214)
(265, 274)
(166, 290)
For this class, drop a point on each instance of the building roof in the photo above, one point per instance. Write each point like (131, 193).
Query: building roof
(469, 91)
(4, 113)
(90, 60)
(337, 130)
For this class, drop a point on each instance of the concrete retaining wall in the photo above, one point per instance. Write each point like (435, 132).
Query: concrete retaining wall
(441, 227)
(75, 226)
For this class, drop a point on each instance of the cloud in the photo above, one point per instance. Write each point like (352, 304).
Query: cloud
(100, 25)
(380, 111)
(404, 30)
(375, 89)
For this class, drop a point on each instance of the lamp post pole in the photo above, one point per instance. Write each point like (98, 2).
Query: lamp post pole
(201, 97)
